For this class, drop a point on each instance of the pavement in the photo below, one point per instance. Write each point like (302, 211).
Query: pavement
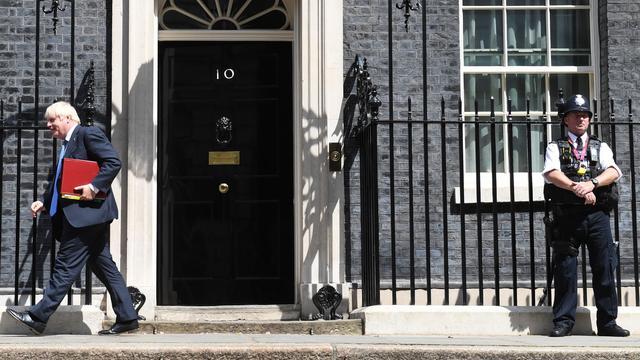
(273, 346)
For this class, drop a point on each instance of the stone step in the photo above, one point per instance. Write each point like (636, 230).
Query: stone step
(296, 327)
(227, 313)
(479, 320)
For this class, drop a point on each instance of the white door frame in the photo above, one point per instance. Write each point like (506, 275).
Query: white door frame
(318, 193)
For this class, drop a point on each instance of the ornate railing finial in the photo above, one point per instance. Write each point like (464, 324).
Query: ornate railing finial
(90, 108)
(55, 7)
(408, 8)
(367, 95)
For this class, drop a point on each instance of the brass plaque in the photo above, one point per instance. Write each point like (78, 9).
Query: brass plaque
(224, 157)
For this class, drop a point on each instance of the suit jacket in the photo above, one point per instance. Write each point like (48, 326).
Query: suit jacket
(90, 143)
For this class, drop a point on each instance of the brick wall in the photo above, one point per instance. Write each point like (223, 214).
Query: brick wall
(366, 34)
(17, 80)
(619, 32)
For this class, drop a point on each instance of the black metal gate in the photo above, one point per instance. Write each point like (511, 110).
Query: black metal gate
(28, 153)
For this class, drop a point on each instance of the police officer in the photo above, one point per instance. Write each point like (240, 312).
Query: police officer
(580, 175)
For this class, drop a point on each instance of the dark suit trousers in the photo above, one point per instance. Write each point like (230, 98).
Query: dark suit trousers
(80, 246)
(594, 230)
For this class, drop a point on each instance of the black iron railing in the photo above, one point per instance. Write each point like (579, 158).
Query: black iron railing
(508, 243)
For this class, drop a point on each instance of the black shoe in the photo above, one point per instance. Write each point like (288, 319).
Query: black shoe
(119, 328)
(36, 327)
(613, 330)
(560, 330)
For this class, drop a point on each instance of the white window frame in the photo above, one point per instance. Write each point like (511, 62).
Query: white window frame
(521, 179)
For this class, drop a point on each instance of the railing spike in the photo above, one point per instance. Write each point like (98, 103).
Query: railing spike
(492, 101)
(612, 109)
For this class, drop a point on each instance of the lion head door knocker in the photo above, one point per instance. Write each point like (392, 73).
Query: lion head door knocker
(327, 300)
(223, 130)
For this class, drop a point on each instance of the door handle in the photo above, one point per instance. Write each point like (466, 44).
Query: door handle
(223, 188)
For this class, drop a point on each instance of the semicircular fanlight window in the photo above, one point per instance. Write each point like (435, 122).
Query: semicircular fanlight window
(224, 15)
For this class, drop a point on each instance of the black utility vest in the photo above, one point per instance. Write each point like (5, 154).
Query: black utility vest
(606, 196)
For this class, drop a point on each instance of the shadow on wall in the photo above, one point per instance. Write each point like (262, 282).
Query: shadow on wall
(320, 205)
(351, 160)
(316, 209)
(137, 155)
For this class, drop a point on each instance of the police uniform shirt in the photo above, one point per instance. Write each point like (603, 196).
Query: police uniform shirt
(552, 156)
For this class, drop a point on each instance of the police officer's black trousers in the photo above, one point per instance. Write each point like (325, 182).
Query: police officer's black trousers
(80, 246)
(594, 230)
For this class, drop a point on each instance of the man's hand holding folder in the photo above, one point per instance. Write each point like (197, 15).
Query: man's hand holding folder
(76, 180)
(86, 193)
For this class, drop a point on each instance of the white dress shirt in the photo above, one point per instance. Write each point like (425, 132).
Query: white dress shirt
(552, 156)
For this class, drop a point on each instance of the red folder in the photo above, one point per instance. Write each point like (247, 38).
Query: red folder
(76, 172)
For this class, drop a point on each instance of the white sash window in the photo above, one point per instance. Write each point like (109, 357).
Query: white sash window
(523, 49)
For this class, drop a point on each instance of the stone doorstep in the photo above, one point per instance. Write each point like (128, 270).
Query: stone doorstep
(317, 327)
(198, 314)
(479, 320)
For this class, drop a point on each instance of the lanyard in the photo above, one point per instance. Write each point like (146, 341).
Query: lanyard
(579, 156)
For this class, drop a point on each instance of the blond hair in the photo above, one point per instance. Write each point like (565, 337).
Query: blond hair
(62, 109)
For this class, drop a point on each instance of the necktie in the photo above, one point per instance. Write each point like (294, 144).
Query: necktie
(579, 144)
(54, 199)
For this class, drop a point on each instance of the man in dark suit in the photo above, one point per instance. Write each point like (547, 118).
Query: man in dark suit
(81, 226)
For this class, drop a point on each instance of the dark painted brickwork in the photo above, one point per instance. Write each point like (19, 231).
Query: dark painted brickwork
(620, 80)
(366, 34)
(17, 80)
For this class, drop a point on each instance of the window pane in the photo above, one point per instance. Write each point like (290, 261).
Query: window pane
(526, 37)
(521, 145)
(521, 87)
(557, 129)
(525, 2)
(482, 87)
(482, 2)
(485, 145)
(570, 83)
(482, 37)
(569, 2)
(570, 43)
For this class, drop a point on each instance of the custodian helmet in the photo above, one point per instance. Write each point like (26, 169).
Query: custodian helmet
(577, 103)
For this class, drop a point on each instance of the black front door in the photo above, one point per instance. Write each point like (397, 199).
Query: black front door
(226, 179)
